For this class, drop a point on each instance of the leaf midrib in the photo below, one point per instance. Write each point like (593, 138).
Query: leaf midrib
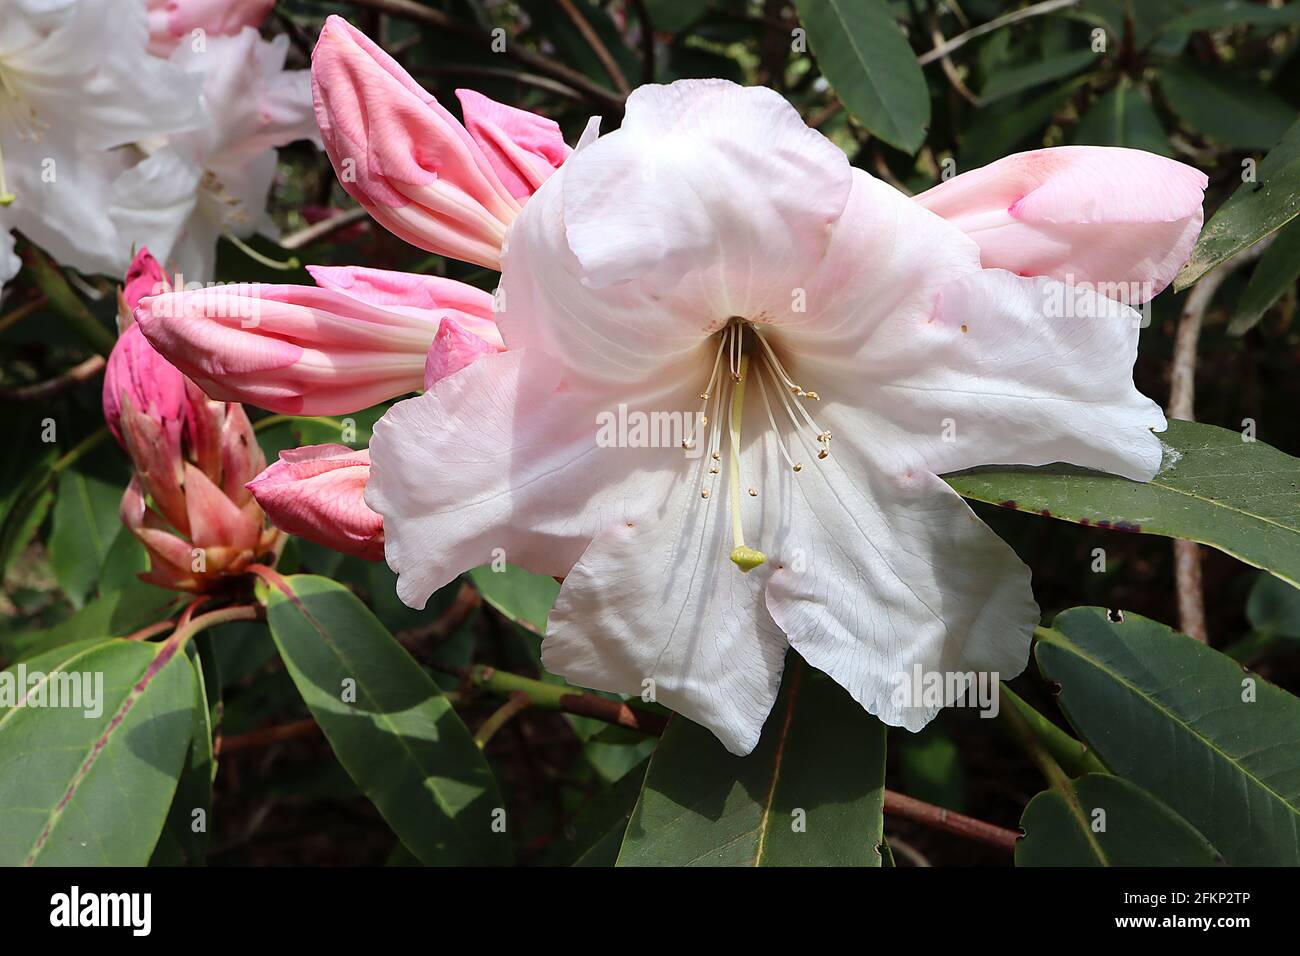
(427, 772)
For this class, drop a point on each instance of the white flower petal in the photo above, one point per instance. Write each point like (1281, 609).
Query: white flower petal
(498, 456)
(9, 262)
(876, 573)
(703, 174)
(655, 598)
(994, 376)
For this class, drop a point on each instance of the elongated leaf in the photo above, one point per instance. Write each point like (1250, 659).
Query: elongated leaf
(1254, 211)
(1219, 745)
(80, 787)
(1123, 117)
(1015, 80)
(1225, 106)
(1232, 13)
(1276, 272)
(669, 16)
(389, 724)
(811, 793)
(1108, 821)
(115, 614)
(866, 58)
(1242, 497)
(85, 524)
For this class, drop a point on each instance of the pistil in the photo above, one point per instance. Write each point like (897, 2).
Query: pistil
(743, 556)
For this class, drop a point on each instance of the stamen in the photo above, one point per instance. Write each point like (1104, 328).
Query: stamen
(771, 420)
(702, 415)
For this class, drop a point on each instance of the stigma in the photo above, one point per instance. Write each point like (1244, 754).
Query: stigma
(749, 357)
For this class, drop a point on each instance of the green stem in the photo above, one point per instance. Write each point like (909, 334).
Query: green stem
(224, 615)
(500, 717)
(50, 280)
(1073, 755)
(562, 697)
(78, 451)
(287, 265)
(1024, 734)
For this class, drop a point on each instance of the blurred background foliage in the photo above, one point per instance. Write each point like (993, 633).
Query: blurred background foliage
(911, 90)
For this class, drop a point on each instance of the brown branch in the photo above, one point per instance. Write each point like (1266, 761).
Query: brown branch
(40, 391)
(647, 41)
(319, 230)
(958, 824)
(1182, 401)
(259, 739)
(592, 38)
(942, 50)
(20, 312)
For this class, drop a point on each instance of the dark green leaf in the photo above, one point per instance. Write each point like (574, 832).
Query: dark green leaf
(1276, 272)
(1242, 497)
(79, 790)
(389, 724)
(115, 614)
(1218, 744)
(1123, 117)
(811, 793)
(866, 58)
(1255, 210)
(1232, 13)
(607, 812)
(85, 524)
(1016, 80)
(669, 16)
(523, 597)
(1226, 107)
(1274, 607)
(1107, 821)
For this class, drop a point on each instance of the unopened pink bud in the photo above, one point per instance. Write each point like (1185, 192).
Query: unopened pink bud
(409, 162)
(318, 492)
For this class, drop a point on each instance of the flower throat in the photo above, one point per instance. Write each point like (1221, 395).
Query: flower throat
(740, 341)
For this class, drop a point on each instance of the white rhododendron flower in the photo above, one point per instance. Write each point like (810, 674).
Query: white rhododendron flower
(834, 347)
(68, 100)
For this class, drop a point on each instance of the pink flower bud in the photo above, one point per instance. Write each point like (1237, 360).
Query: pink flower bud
(522, 147)
(361, 337)
(318, 492)
(408, 161)
(144, 277)
(192, 512)
(171, 21)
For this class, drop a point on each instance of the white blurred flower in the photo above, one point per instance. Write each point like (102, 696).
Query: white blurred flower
(195, 187)
(76, 84)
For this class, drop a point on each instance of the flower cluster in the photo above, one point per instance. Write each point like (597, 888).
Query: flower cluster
(164, 137)
(839, 344)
